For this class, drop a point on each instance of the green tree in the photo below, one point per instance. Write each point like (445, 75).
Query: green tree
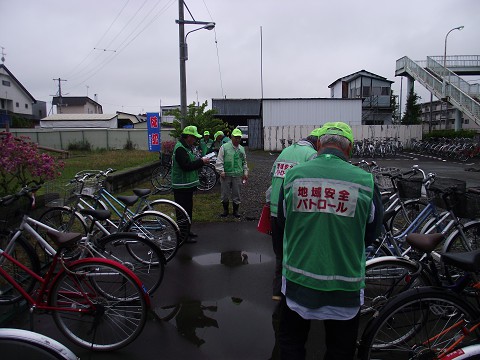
(198, 116)
(394, 106)
(412, 115)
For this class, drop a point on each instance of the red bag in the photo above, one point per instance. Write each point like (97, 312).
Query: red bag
(264, 225)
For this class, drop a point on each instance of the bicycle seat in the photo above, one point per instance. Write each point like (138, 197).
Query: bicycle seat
(424, 242)
(128, 200)
(142, 192)
(63, 240)
(96, 214)
(469, 261)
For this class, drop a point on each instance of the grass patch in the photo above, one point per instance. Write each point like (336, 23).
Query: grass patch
(104, 159)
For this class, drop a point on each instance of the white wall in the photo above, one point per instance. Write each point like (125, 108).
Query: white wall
(14, 94)
(98, 138)
(272, 135)
(314, 112)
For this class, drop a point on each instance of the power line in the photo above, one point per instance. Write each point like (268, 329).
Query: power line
(216, 46)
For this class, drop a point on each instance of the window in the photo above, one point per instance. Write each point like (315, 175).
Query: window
(5, 83)
(17, 105)
(26, 106)
(385, 91)
(366, 91)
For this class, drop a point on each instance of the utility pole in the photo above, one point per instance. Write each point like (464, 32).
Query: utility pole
(183, 75)
(59, 94)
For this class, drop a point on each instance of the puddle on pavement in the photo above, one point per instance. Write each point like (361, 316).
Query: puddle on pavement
(213, 324)
(231, 258)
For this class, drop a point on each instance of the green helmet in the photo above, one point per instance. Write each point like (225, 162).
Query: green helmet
(191, 130)
(337, 128)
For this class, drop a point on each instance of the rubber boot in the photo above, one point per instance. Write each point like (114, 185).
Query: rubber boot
(225, 209)
(235, 210)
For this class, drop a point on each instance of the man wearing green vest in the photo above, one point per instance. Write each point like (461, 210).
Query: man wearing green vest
(206, 144)
(298, 153)
(185, 171)
(232, 166)
(332, 210)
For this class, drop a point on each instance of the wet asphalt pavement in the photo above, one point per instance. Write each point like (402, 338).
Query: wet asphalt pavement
(216, 294)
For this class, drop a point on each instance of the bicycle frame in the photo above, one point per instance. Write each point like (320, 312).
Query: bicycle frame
(40, 301)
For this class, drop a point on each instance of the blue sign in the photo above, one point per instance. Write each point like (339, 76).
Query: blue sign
(153, 123)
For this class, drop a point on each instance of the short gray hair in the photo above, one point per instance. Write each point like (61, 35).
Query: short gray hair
(341, 141)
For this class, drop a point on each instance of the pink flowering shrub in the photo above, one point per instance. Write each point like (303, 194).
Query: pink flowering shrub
(21, 162)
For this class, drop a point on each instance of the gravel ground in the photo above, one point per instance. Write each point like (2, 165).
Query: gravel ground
(253, 193)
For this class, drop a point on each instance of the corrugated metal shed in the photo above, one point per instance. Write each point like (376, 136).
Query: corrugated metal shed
(315, 111)
(237, 107)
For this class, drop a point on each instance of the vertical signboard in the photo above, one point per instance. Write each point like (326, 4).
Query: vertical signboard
(153, 123)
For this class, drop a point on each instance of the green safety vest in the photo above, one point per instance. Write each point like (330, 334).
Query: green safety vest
(297, 153)
(183, 179)
(328, 203)
(233, 159)
(204, 146)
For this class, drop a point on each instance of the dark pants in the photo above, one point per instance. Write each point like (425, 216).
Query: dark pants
(340, 336)
(277, 243)
(184, 198)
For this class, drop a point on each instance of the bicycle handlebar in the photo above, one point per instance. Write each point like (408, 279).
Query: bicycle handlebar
(9, 199)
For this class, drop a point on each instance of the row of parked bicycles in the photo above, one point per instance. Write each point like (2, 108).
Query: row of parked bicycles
(377, 148)
(92, 259)
(421, 296)
(462, 149)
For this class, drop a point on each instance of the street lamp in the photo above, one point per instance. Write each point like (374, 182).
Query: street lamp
(445, 49)
(184, 58)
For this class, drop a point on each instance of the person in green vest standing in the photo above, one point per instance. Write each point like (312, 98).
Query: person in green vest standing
(206, 144)
(332, 211)
(185, 171)
(232, 166)
(298, 153)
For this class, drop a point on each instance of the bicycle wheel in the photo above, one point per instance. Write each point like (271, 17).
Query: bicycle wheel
(458, 242)
(23, 344)
(139, 255)
(64, 219)
(404, 215)
(418, 324)
(99, 305)
(158, 228)
(386, 277)
(23, 252)
(208, 178)
(175, 212)
(377, 249)
(162, 179)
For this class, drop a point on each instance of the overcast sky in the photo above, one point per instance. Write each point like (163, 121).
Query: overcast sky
(127, 51)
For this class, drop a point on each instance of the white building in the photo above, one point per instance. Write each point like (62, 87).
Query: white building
(16, 100)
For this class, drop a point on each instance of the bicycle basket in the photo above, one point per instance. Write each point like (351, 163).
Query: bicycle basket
(11, 214)
(165, 159)
(410, 188)
(470, 208)
(383, 181)
(456, 198)
(59, 193)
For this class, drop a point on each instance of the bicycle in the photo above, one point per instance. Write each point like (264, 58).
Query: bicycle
(24, 344)
(162, 176)
(153, 225)
(427, 322)
(97, 303)
(139, 254)
(389, 275)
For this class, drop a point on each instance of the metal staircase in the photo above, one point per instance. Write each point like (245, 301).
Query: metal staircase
(444, 83)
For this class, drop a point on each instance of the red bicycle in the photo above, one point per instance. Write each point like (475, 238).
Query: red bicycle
(96, 303)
